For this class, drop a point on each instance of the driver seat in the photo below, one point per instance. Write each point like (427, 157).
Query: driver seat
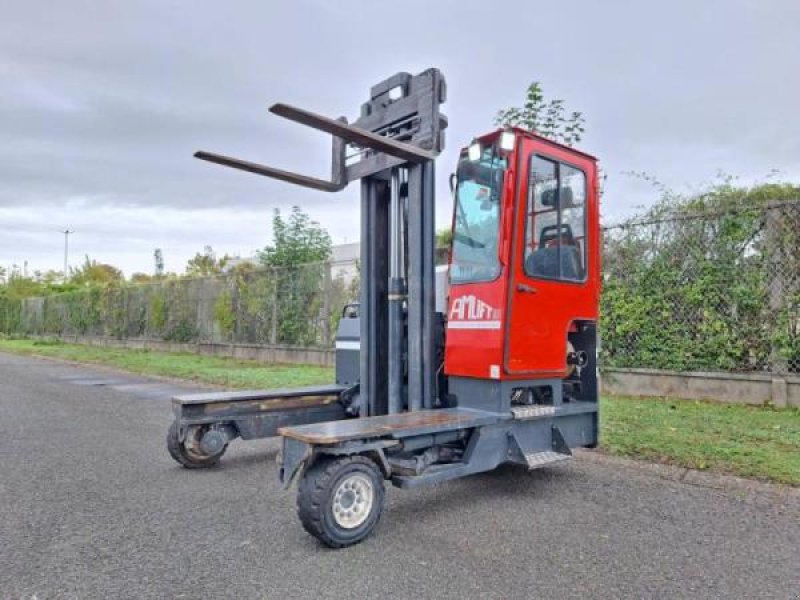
(543, 262)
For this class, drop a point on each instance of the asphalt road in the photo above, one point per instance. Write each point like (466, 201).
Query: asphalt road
(92, 506)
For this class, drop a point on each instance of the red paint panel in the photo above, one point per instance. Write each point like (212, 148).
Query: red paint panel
(541, 311)
(516, 326)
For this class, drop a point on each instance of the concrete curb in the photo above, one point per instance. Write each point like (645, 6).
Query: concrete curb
(756, 389)
(780, 493)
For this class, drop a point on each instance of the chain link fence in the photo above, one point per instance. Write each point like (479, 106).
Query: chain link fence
(694, 292)
(705, 292)
(298, 306)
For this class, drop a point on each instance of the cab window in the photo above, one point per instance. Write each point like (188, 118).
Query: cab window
(476, 222)
(555, 232)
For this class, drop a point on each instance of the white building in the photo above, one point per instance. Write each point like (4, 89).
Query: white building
(344, 261)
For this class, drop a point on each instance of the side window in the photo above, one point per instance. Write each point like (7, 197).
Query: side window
(555, 231)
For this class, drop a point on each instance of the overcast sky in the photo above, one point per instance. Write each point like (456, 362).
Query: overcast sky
(103, 103)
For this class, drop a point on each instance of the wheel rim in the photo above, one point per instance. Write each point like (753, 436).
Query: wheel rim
(192, 449)
(352, 501)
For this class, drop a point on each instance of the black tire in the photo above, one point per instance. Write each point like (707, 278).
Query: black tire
(189, 459)
(316, 494)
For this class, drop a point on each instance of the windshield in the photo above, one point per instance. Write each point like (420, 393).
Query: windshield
(477, 219)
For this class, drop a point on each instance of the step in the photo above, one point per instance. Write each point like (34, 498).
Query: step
(541, 459)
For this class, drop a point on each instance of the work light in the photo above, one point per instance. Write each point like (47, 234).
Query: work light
(507, 139)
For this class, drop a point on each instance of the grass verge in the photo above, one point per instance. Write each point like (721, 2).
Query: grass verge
(218, 370)
(749, 441)
(754, 442)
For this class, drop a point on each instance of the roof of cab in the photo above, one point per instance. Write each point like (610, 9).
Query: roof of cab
(532, 135)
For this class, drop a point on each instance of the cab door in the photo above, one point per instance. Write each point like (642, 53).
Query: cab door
(553, 282)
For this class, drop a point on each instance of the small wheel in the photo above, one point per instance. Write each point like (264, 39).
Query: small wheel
(190, 456)
(340, 500)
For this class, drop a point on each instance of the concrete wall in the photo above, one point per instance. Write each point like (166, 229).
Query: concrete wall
(737, 388)
(267, 354)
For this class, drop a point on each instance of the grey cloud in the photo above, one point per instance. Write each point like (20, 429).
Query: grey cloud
(107, 101)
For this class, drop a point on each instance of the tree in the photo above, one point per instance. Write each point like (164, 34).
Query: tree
(296, 241)
(206, 263)
(548, 119)
(50, 277)
(93, 272)
(297, 257)
(19, 286)
(141, 278)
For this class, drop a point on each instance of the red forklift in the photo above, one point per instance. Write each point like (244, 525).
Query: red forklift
(432, 385)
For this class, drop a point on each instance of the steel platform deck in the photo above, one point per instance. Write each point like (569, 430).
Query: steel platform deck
(401, 425)
(244, 395)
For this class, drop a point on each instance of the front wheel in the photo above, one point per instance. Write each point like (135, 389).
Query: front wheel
(340, 500)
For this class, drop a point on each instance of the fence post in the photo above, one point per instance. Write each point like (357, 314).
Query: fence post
(273, 336)
(236, 307)
(126, 303)
(326, 305)
(776, 260)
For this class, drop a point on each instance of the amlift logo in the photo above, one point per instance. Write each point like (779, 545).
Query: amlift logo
(470, 312)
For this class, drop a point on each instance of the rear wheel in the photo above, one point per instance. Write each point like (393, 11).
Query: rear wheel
(340, 500)
(187, 452)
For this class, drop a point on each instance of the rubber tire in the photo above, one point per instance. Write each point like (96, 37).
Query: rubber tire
(189, 461)
(315, 497)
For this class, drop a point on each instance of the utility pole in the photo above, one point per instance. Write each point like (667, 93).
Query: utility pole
(66, 233)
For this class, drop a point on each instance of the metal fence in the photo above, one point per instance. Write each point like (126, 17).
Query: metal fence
(712, 291)
(298, 306)
(705, 292)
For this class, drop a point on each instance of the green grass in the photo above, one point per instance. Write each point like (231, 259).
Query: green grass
(224, 371)
(760, 443)
(755, 442)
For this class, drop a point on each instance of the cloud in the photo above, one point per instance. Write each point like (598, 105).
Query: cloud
(103, 104)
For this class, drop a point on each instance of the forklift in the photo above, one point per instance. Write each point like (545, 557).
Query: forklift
(433, 382)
